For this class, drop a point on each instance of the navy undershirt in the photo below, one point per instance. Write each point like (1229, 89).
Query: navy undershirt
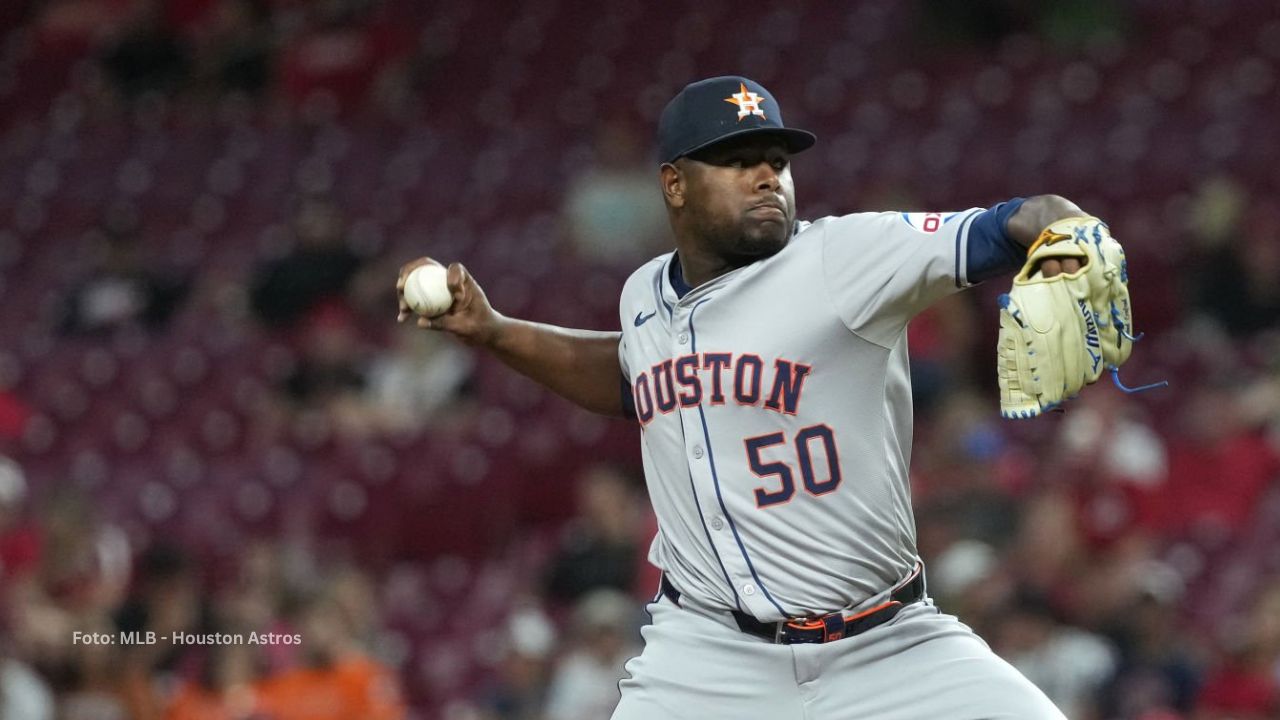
(678, 284)
(991, 251)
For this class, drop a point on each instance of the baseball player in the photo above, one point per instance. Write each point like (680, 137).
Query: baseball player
(765, 362)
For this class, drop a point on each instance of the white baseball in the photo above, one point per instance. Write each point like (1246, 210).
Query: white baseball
(426, 290)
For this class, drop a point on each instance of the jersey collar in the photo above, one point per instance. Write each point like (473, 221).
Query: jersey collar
(676, 277)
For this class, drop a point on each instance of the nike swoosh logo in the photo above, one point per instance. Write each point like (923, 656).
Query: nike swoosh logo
(641, 318)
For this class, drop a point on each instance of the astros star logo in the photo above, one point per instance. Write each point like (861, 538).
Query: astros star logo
(748, 102)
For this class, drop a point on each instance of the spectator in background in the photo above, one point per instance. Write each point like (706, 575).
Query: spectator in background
(24, 695)
(420, 375)
(147, 57)
(956, 475)
(332, 67)
(14, 411)
(224, 689)
(613, 215)
(1235, 284)
(966, 578)
(120, 291)
(166, 595)
(1244, 685)
(1158, 673)
(1213, 216)
(14, 414)
(20, 537)
(252, 599)
(1218, 466)
(318, 268)
(84, 580)
(585, 682)
(1049, 549)
(70, 28)
(1218, 245)
(329, 378)
(83, 576)
(336, 679)
(1069, 664)
(166, 599)
(600, 546)
(88, 682)
(942, 341)
(519, 690)
(1116, 462)
(235, 53)
(356, 598)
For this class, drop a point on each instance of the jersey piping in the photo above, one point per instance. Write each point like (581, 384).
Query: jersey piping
(702, 518)
(715, 477)
(962, 271)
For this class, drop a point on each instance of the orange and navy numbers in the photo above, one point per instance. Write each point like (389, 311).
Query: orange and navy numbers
(688, 380)
(786, 479)
(786, 484)
(826, 436)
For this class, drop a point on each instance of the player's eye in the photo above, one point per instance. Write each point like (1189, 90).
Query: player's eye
(780, 164)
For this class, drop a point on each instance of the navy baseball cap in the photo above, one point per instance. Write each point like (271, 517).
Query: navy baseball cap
(709, 111)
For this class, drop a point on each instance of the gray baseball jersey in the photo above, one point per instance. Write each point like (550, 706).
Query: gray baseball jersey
(776, 412)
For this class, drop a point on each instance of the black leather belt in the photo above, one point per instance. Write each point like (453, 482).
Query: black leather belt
(824, 628)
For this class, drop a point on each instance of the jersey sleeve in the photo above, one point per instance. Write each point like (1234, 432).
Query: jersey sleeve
(622, 358)
(624, 380)
(625, 301)
(882, 269)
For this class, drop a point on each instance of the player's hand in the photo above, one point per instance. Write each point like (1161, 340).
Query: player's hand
(471, 318)
(1055, 266)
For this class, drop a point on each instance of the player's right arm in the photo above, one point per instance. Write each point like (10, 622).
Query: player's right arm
(579, 365)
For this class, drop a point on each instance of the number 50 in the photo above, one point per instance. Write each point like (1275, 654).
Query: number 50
(804, 442)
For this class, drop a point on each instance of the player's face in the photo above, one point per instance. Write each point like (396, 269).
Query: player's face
(739, 197)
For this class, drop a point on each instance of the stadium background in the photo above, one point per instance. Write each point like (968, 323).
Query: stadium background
(212, 424)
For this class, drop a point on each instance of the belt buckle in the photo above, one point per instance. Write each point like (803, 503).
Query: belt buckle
(831, 625)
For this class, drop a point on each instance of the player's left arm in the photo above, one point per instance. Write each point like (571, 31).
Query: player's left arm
(882, 269)
(1036, 214)
(1000, 237)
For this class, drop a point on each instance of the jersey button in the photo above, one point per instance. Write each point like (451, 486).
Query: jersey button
(684, 338)
(697, 451)
(748, 589)
(717, 523)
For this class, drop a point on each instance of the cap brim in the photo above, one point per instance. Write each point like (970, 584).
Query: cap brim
(796, 140)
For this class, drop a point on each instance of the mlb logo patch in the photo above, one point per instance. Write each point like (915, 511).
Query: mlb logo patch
(927, 223)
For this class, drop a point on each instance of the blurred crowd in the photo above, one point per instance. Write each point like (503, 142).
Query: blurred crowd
(1121, 554)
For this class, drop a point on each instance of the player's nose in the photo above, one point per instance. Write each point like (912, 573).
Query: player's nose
(767, 177)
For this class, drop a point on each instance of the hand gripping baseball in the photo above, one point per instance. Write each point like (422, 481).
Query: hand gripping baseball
(1057, 334)
(471, 318)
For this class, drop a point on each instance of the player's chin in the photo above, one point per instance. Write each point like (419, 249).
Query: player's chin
(764, 238)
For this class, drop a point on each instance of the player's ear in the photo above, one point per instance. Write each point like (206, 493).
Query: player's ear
(672, 184)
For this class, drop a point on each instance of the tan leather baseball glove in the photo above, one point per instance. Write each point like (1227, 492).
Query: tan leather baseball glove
(1058, 334)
